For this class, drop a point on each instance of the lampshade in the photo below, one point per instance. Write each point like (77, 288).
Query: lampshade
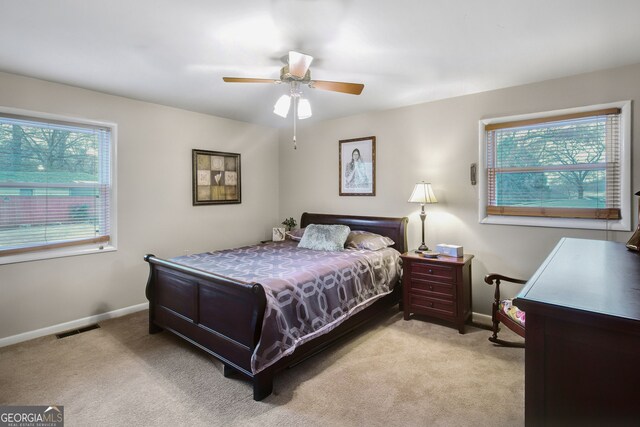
(282, 106)
(423, 194)
(304, 109)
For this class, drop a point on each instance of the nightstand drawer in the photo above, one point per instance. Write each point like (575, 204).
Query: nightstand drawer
(427, 305)
(436, 271)
(432, 289)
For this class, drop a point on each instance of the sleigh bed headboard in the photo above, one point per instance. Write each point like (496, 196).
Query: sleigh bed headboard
(394, 228)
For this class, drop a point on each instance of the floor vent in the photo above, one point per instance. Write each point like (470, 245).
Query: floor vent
(77, 331)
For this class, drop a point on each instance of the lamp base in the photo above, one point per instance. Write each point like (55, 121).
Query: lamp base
(423, 247)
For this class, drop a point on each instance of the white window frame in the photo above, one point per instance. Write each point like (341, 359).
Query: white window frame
(623, 224)
(91, 248)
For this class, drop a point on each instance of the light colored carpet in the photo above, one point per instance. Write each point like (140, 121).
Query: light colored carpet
(392, 372)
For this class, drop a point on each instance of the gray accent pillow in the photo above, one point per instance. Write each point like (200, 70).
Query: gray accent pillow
(295, 234)
(324, 237)
(359, 239)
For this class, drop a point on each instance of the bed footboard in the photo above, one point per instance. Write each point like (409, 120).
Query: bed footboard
(220, 315)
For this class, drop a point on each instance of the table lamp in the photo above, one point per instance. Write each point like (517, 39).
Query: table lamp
(423, 194)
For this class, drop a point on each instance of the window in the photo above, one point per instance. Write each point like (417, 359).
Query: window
(56, 186)
(565, 168)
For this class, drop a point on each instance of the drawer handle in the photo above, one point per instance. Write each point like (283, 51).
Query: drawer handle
(430, 271)
(430, 288)
(430, 304)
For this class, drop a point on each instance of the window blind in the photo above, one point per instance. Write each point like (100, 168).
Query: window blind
(565, 166)
(55, 184)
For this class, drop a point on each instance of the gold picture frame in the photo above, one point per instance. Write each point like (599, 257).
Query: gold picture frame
(216, 177)
(357, 166)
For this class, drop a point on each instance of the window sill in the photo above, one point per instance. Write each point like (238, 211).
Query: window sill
(586, 224)
(55, 253)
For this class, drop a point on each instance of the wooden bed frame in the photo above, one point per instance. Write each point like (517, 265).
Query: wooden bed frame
(224, 317)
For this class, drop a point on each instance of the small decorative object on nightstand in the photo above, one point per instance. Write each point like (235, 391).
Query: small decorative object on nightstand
(290, 223)
(278, 234)
(437, 287)
(423, 194)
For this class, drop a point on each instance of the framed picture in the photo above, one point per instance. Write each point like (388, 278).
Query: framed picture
(216, 177)
(357, 163)
(278, 234)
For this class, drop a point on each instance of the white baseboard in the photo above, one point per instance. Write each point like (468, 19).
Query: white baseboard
(74, 324)
(481, 319)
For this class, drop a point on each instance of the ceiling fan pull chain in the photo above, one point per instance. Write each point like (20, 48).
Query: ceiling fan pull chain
(295, 117)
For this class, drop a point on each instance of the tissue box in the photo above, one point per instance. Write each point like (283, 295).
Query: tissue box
(449, 250)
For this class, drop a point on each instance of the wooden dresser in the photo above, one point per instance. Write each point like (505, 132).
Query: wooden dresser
(582, 356)
(437, 287)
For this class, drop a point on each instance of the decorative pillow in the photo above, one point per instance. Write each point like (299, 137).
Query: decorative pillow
(295, 234)
(324, 237)
(365, 240)
(513, 312)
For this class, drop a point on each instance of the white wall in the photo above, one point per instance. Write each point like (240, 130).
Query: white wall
(155, 214)
(437, 142)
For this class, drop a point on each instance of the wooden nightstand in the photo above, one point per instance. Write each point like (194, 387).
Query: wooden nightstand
(437, 287)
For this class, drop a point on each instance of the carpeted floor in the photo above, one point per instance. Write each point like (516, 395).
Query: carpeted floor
(392, 372)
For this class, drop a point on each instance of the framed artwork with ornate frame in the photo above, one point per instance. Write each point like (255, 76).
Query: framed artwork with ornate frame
(216, 177)
(357, 166)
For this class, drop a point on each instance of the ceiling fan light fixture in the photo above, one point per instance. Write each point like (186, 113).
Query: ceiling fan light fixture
(295, 73)
(304, 109)
(282, 105)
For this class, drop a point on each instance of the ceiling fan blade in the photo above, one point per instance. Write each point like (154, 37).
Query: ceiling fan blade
(299, 63)
(247, 80)
(351, 88)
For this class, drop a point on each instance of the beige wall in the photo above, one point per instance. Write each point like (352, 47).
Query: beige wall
(154, 203)
(437, 142)
(434, 141)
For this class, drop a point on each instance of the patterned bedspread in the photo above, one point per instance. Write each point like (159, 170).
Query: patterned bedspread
(308, 292)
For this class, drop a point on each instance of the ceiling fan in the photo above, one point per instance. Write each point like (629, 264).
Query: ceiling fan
(295, 73)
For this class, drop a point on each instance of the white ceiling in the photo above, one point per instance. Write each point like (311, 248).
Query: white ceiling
(404, 51)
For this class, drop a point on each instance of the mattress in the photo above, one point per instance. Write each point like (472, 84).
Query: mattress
(308, 292)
